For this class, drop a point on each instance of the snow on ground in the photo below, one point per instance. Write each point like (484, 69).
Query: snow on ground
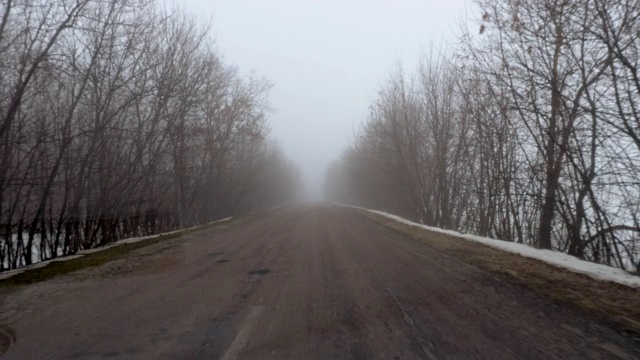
(140, 238)
(571, 263)
(39, 264)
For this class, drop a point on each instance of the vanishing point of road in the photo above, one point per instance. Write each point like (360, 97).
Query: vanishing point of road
(299, 282)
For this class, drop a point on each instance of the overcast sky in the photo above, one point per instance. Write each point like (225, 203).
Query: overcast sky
(326, 59)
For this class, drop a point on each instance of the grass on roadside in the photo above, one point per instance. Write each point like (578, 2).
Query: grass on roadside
(608, 302)
(57, 268)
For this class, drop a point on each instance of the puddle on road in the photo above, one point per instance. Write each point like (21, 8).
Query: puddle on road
(259, 272)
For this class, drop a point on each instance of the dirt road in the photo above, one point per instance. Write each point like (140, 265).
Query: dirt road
(300, 282)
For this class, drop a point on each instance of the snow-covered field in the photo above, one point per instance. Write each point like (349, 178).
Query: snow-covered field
(571, 263)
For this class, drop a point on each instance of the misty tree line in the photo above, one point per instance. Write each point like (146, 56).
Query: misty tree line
(118, 118)
(527, 132)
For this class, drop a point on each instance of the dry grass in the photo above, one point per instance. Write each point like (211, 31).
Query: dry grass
(611, 303)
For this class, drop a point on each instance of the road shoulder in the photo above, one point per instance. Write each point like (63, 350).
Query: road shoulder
(613, 304)
(96, 257)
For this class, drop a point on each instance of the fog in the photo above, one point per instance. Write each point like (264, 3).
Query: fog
(438, 136)
(326, 60)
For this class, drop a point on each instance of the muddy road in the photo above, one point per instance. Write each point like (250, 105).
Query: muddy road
(300, 282)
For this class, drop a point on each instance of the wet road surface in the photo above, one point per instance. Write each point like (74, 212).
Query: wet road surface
(299, 282)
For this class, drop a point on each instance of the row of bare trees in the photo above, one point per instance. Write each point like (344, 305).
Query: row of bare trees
(528, 132)
(118, 118)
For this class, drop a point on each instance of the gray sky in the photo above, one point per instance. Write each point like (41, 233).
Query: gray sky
(326, 59)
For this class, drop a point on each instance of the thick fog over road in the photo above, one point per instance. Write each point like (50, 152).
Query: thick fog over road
(480, 162)
(326, 60)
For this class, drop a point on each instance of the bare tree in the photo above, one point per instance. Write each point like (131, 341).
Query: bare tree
(123, 121)
(529, 134)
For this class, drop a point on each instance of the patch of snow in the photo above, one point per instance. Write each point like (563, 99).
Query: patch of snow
(10, 273)
(141, 238)
(571, 263)
(278, 207)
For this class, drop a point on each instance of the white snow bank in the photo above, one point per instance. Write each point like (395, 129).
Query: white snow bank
(571, 263)
(137, 239)
(10, 273)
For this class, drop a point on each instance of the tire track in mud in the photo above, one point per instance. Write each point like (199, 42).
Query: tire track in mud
(230, 329)
(7, 338)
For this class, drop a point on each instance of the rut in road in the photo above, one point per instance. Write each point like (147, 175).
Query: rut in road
(299, 282)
